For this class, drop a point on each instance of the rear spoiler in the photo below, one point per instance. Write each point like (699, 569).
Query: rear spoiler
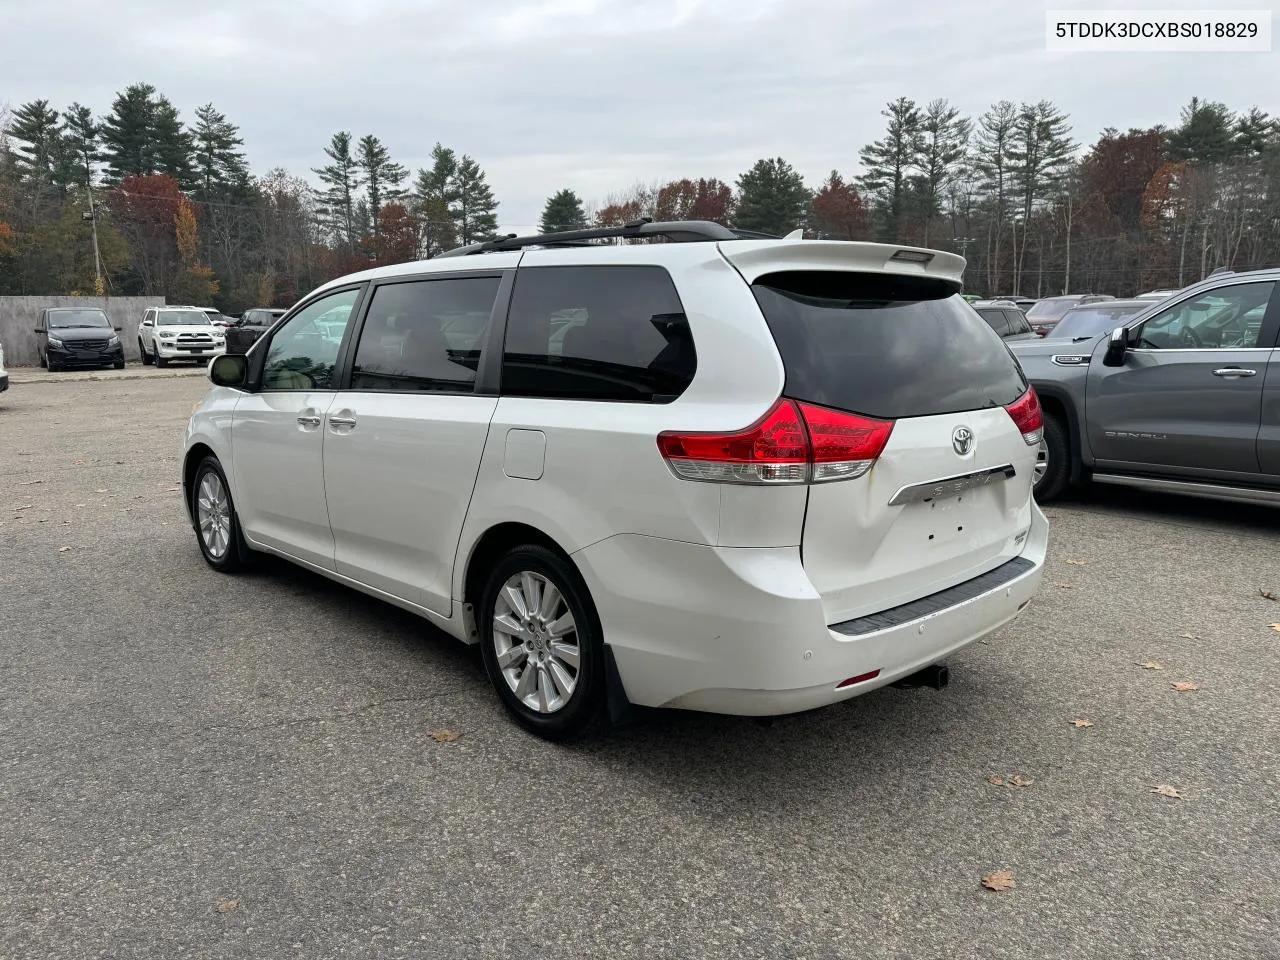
(755, 258)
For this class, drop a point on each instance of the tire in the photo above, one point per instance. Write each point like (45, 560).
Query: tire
(44, 362)
(119, 364)
(224, 550)
(146, 357)
(50, 365)
(583, 709)
(161, 362)
(1057, 470)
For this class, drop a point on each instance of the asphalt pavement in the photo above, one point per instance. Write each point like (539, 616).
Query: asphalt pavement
(196, 765)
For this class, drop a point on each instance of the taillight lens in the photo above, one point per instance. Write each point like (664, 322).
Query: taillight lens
(1026, 414)
(792, 443)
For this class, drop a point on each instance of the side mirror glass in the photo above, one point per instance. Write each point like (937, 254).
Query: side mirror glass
(229, 370)
(1117, 345)
(118, 329)
(39, 329)
(146, 323)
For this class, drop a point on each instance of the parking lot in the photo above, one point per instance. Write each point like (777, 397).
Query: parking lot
(199, 765)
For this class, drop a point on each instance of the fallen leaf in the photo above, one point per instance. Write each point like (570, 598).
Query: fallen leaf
(79, 462)
(998, 881)
(1077, 563)
(1189, 636)
(1064, 586)
(1265, 594)
(445, 736)
(1082, 722)
(99, 491)
(1019, 781)
(1150, 665)
(1185, 686)
(27, 483)
(1167, 791)
(996, 781)
(23, 506)
(63, 549)
(1275, 627)
(226, 906)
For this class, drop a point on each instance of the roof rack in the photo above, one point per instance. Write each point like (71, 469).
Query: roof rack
(677, 231)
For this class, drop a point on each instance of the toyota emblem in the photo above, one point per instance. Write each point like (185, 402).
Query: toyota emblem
(962, 440)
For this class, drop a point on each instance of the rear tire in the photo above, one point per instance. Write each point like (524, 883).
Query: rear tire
(535, 660)
(1056, 449)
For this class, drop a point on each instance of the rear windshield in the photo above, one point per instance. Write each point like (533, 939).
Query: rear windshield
(1050, 309)
(887, 347)
(1093, 321)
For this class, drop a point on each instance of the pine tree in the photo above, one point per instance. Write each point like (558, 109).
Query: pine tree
(889, 162)
(172, 145)
(82, 134)
(992, 164)
(219, 163)
(1255, 133)
(772, 198)
(1205, 135)
(475, 209)
(944, 139)
(1040, 156)
(434, 195)
(128, 133)
(38, 129)
(382, 177)
(563, 212)
(342, 180)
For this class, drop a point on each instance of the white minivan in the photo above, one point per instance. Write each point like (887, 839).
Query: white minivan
(741, 475)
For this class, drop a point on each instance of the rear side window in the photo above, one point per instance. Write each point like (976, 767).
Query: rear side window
(995, 320)
(1051, 309)
(597, 333)
(1017, 322)
(424, 335)
(887, 347)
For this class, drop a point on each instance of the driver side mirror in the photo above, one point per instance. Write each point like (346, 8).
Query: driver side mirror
(229, 370)
(1117, 345)
(145, 323)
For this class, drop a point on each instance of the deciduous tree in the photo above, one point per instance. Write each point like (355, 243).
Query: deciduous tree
(839, 213)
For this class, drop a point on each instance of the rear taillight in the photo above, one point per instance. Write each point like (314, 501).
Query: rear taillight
(1027, 416)
(792, 443)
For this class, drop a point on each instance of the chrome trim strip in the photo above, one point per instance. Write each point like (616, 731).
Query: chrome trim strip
(949, 486)
(1210, 491)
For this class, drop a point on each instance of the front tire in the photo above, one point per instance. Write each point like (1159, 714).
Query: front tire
(161, 362)
(146, 357)
(217, 524)
(1053, 461)
(542, 645)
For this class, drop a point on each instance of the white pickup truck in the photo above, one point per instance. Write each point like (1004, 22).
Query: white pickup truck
(179, 333)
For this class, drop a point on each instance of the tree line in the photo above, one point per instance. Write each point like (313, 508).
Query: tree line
(139, 201)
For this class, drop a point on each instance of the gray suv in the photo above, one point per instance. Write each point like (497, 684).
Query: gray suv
(1182, 397)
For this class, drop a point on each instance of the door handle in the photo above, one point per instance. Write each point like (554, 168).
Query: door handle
(309, 420)
(342, 421)
(1234, 372)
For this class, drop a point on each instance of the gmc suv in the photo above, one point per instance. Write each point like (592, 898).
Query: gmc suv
(1183, 396)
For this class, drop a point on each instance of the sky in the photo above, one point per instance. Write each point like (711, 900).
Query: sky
(595, 95)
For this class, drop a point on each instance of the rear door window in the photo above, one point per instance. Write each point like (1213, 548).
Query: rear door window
(597, 333)
(884, 346)
(424, 335)
(1017, 322)
(995, 320)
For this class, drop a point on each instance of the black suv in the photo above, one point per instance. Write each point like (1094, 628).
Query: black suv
(77, 337)
(242, 334)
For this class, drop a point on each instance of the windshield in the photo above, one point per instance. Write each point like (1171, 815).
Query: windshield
(69, 319)
(1051, 309)
(1093, 320)
(182, 318)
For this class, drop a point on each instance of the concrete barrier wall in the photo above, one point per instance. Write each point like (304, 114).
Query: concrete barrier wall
(18, 317)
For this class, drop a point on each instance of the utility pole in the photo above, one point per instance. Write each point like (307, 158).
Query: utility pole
(99, 288)
(964, 245)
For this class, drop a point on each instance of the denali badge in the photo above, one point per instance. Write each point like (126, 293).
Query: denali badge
(962, 440)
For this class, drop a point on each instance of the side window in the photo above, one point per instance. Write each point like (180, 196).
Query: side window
(597, 333)
(424, 335)
(303, 353)
(1017, 322)
(995, 320)
(1228, 318)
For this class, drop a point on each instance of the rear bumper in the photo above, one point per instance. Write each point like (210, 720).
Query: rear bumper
(741, 631)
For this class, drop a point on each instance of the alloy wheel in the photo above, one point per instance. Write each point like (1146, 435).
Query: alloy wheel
(1042, 461)
(536, 641)
(213, 515)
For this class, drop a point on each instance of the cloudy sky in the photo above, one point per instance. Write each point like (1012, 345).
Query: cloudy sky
(594, 94)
